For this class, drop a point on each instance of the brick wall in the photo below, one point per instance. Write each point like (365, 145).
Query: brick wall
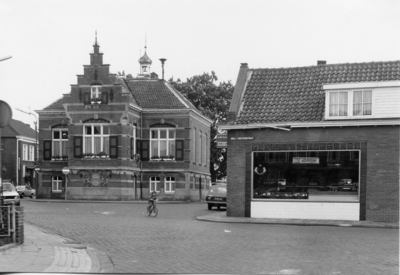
(379, 199)
(19, 221)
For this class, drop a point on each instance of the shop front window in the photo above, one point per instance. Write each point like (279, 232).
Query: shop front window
(307, 175)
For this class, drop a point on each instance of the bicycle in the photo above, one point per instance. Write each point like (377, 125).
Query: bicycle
(152, 210)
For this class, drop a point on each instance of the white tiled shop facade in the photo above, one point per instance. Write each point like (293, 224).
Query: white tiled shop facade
(349, 211)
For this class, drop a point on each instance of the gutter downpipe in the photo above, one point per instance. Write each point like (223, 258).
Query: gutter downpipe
(141, 167)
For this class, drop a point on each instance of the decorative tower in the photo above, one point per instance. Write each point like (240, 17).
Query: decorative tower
(145, 63)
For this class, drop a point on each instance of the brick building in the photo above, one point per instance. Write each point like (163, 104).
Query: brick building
(122, 137)
(316, 142)
(18, 153)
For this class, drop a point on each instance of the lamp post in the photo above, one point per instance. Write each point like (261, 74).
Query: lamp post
(36, 141)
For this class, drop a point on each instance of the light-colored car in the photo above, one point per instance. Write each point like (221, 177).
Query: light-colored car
(10, 195)
(216, 196)
(25, 191)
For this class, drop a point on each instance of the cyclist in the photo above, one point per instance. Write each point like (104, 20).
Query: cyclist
(153, 198)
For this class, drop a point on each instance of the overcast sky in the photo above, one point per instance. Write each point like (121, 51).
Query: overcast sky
(50, 41)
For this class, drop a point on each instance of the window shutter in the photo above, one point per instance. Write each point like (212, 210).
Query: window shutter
(78, 147)
(104, 97)
(47, 150)
(114, 147)
(179, 150)
(144, 155)
(86, 98)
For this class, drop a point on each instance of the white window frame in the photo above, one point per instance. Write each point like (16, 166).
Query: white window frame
(102, 135)
(31, 153)
(350, 104)
(56, 181)
(168, 184)
(61, 140)
(154, 184)
(95, 92)
(25, 152)
(362, 103)
(158, 139)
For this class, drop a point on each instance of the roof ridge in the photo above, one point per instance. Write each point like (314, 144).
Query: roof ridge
(323, 65)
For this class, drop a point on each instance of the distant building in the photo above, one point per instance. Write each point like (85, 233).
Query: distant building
(316, 142)
(123, 137)
(18, 153)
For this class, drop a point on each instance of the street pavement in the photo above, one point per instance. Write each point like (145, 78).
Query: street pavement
(106, 237)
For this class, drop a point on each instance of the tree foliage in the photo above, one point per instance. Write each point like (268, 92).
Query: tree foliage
(213, 101)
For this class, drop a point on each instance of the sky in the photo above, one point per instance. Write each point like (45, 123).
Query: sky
(50, 40)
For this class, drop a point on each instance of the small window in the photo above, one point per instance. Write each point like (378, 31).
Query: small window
(95, 93)
(338, 104)
(362, 103)
(154, 184)
(25, 152)
(169, 185)
(56, 183)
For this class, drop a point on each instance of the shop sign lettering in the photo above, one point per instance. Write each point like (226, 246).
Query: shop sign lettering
(305, 160)
(303, 146)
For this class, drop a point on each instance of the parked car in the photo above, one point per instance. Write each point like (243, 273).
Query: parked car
(280, 193)
(343, 185)
(216, 196)
(10, 195)
(25, 191)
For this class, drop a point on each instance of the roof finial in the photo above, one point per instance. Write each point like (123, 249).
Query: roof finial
(95, 42)
(145, 42)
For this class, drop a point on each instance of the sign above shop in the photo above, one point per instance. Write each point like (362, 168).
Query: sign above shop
(305, 160)
(242, 138)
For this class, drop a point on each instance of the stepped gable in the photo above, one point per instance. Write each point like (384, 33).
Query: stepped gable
(297, 95)
(154, 94)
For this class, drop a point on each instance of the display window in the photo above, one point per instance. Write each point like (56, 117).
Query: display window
(307, 175)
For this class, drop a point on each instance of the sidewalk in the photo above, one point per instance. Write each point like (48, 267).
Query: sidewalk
(45, 252)
(221, 217)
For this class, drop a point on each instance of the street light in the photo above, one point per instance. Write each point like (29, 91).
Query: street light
(36, 141)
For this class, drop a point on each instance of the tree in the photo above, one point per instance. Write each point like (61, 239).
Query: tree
(213, 101)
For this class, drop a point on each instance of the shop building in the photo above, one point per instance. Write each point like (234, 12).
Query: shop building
(316, 142)
(18, 153)
(122, 137)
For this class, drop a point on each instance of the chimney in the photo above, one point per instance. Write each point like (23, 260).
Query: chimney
(162, 64)
(321, 62)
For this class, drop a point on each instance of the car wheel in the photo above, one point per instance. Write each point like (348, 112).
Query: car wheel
(209, 206)
(31, 195)
(22, 195)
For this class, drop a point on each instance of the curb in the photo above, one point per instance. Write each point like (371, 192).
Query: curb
(223, 219)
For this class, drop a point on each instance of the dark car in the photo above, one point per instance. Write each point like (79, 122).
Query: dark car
(343, 185)
(280, 193)
(216, 196)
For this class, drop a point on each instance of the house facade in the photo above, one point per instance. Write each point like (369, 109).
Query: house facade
(18, 153)
(121, 138)
(316, 142)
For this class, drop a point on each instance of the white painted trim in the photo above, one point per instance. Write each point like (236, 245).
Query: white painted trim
(358, 85)
(26, 139)
(311, 124)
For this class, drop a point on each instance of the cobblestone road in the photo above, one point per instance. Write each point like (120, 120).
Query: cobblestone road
(174, 242)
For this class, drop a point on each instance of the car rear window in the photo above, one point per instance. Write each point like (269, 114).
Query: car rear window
(218, 189)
